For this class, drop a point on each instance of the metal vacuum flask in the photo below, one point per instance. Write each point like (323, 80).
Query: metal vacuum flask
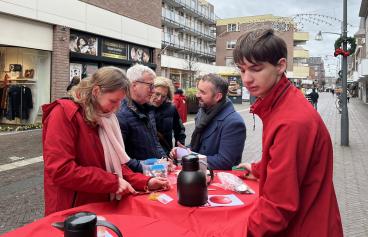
(191, 185)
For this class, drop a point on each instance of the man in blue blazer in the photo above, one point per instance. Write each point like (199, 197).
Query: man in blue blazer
(219, 130)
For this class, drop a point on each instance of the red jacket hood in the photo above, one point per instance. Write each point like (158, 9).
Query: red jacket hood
(69, 106)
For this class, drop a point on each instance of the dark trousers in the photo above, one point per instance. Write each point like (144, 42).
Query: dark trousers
(315, 105)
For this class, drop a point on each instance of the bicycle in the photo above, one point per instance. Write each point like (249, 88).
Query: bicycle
(338, 103)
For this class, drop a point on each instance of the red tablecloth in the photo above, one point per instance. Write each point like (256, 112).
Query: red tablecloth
(130, 226)
(138, 216)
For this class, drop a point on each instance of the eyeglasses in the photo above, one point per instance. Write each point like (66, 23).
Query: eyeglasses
(151, 85)
(158, 95)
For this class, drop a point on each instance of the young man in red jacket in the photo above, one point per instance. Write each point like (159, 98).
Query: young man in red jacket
(296, 193)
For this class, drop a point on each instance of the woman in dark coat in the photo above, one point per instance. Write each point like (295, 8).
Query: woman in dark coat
(167, 118)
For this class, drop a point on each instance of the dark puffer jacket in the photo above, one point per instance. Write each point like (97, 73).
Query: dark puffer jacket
(138, 126)
(167, 122)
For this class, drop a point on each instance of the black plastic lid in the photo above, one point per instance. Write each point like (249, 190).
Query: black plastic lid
(190, 162)
(80, 221)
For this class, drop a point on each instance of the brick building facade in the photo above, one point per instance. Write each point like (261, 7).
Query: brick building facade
(112, 32)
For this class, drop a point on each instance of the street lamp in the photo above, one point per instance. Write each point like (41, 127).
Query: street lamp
(344, 112)
(319, 36)
(344, 69)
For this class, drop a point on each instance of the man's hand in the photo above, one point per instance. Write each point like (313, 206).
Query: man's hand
(246, 166)
(158, 183)
(248, 171)
(173, 152)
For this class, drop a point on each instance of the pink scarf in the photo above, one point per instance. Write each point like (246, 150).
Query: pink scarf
(113, 146)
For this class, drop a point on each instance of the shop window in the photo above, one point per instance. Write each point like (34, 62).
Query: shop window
(24, 84)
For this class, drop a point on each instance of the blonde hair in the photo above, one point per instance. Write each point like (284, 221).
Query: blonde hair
(166, 83)
(109, 79)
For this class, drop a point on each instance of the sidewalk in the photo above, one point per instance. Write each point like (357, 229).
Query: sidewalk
(350, 164)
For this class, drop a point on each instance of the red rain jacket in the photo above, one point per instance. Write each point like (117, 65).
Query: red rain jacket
(74, 169)
(181, 106)
(296, 193)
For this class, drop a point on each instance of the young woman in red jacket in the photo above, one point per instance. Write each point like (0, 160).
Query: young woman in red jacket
(296, 192)
(83, 149)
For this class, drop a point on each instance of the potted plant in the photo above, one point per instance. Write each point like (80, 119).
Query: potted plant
(192, 102)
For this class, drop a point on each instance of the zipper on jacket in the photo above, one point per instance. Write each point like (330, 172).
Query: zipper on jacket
(74, 199)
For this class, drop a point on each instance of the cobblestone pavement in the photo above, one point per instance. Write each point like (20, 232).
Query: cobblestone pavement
(21, 189)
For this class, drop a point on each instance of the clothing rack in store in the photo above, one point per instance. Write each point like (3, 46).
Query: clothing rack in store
(22, 86)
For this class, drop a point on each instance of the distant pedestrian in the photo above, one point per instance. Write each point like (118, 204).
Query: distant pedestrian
(333, 92)
(180, 102)
(348, 95)
(314, 98)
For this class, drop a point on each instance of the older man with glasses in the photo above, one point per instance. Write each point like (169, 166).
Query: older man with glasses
(137, 120)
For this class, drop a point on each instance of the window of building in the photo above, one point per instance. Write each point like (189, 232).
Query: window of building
(169, 52)
(180, 36)
(194, 4)
(230, 44)
(229, 61)
(232, 27)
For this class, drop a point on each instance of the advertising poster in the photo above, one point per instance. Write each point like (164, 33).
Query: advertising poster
(83, 44)
(139, 54)
(114, 49)
(75, 70)
(234, 86)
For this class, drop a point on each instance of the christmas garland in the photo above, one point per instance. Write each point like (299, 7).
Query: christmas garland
(349, 51)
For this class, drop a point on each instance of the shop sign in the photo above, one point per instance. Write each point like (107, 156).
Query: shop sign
(114, 49)
(234, 86)
(140, 54)
(83, 44)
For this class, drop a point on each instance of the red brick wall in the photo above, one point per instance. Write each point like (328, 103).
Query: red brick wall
(60, 62)
(223, 37)
(148, 11)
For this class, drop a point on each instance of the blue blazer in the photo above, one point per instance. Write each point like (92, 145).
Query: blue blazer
(223, 139)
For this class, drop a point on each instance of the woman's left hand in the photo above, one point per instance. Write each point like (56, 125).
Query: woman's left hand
(158, 183)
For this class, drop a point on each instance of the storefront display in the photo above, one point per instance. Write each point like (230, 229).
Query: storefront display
(90, 52)
(24, 84)
(114, 49)
(139, 54)
(83, 43)
(235, 86)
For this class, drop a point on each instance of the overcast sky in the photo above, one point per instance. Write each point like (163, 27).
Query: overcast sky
(290, 8)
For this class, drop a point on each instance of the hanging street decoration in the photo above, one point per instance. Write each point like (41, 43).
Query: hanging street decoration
(340, 51)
